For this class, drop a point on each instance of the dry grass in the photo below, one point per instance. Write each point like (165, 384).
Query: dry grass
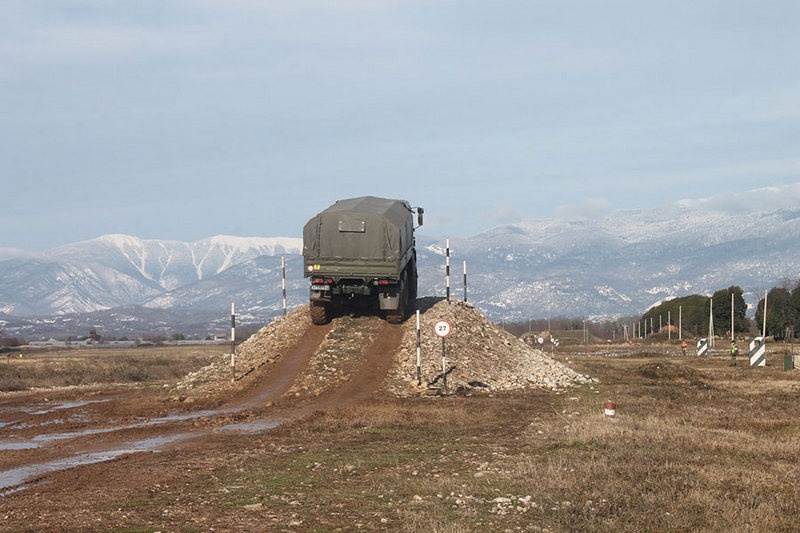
(85, 366)
(687, 451)
(695, 446)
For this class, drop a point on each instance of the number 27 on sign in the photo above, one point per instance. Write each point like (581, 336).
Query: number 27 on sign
(442, 328)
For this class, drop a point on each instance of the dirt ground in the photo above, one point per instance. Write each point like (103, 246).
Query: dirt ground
(73, 446)
(145, 459)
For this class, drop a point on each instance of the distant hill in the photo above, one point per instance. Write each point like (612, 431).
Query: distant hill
(120, 270)
(613, 266)
(622, 264)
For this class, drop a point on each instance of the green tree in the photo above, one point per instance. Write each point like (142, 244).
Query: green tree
(722, 311)
(691, 310)
(781, 315)
(794, 301)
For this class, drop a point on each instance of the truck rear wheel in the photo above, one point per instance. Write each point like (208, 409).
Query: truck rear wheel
(395, 317)
(320, 314)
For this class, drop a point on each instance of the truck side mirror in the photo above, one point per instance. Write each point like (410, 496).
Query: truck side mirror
(420, 212)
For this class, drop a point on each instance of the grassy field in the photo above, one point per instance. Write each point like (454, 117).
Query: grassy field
(695, 445)
(84, 366)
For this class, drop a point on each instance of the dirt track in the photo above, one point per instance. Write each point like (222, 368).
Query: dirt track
(46, 442)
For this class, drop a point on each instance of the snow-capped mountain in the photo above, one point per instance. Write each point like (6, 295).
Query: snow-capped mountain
(618, 265)
(118, 270)
(622, 264)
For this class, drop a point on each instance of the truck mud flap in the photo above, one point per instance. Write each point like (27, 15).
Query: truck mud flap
(389, 301)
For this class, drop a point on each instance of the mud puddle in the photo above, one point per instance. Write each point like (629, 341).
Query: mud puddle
(38, 440)
(19, 478)
(13, 478)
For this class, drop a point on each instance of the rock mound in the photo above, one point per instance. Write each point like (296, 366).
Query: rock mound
(479, 355)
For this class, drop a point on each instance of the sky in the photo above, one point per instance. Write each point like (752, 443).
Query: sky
(186, 119)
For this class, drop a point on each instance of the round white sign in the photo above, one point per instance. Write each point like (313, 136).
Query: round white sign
(442, 328)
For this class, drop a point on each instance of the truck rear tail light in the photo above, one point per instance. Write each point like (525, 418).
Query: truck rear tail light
(322, 281)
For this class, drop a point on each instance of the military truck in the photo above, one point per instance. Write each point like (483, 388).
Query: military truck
(359, 254)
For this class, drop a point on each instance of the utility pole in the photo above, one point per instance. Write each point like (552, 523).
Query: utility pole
(711, 322)
(669, 325)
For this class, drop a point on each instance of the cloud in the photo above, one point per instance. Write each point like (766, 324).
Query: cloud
(500, 215)
(590, 209)
(755, 200)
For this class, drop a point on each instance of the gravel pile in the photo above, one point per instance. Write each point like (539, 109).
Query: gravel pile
(479, 355)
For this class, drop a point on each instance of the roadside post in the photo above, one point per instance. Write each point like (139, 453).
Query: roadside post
(702, 347)
(233, 342)
(758, 352)
(447, 270)
(442, 329)
(465, 281)
(553, 345)
(283, 282)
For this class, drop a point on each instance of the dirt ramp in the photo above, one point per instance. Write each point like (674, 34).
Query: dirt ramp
(376, 361)
(293, 361)
(288, 340)
(352, 362)
(271, 384)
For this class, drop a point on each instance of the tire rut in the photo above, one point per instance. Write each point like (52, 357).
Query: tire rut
(377, 360)
(280, 378)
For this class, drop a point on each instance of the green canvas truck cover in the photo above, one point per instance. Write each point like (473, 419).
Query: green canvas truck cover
(361, 230)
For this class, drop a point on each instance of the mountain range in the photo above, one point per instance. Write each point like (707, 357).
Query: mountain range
(615, 265)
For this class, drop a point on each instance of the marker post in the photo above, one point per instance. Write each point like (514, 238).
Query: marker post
(465, 281)
(447, 270)
(283, 282)
(442, 329)
(233, 342)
